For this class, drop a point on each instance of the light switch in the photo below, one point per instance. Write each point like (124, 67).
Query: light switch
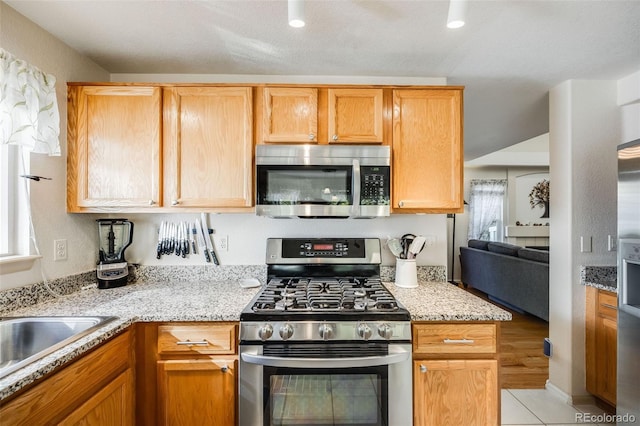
(585, 244)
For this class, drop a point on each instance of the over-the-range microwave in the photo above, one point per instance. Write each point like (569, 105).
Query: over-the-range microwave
(322, 181)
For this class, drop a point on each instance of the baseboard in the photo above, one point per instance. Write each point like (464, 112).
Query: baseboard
(570, 399)
(508, 305)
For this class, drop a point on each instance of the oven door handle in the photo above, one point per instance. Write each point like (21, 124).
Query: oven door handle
(362, 361)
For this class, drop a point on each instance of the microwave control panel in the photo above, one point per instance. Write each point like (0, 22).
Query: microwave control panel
(375, 185)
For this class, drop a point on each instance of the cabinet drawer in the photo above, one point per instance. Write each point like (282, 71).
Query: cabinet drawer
(607, 304)
(454, 338)
(208, 339)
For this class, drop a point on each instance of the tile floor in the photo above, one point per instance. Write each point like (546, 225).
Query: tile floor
(544, 407)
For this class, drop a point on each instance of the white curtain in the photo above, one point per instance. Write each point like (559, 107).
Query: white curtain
(29, 114)
(486, 201)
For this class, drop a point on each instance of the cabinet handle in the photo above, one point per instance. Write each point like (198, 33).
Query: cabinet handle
(190, 343)
(174, 202)
(401, 204)
(151, 202)
(224, 368)
(453, 341)
(607, 305)
(335, 137)
(311, 136)
(423, 369)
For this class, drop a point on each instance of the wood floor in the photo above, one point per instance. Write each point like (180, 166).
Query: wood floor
(522, 363)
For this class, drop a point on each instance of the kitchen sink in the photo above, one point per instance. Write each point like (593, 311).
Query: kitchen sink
(24, 340)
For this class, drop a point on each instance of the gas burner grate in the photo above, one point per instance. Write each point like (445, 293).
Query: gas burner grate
(330, 294)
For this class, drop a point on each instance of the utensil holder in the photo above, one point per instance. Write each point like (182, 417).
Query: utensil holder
(406, 273)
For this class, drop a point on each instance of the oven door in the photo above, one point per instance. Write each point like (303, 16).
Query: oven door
(315, 384)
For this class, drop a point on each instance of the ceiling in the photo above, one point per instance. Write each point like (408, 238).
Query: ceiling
(508, 55)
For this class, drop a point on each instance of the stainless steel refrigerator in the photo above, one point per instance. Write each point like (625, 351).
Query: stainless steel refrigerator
(628, 390)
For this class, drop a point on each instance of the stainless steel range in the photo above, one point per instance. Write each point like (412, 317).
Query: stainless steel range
(324, 342)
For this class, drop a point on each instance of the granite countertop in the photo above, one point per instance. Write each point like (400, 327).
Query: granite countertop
(601, 277)
(169, 301)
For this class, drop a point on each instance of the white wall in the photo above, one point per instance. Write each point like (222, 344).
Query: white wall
(629, 100)
(584, 127)
(27, 41)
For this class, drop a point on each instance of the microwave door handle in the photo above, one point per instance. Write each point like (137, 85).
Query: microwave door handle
(356, 181)
(363, 361)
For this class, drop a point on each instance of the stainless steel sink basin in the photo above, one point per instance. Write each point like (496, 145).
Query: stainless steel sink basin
(24, 340)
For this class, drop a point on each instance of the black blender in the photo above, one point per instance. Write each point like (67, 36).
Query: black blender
(115, 236)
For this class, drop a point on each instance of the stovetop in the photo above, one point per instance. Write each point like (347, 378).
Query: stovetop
(328, 298)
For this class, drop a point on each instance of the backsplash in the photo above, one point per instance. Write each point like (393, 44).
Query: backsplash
(33, 294)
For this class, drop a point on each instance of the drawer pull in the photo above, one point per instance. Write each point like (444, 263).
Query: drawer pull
(190, 343)
(224, 368)
(454, 341)
(423, 369)
(607, 305)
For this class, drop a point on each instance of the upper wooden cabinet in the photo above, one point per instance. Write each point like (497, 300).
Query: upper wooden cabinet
(355, 116)
(290, 114)
(322, 115)
(137, 148)
(208, 146)
(427, 150)
(114, 143)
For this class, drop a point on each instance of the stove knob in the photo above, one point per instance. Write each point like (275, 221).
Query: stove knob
(385, 331)
(286, 331)
(326, 331)
(364, 331)
(265, 332)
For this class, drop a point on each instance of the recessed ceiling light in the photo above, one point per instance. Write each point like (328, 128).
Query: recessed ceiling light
(296, 13)
(456, 16)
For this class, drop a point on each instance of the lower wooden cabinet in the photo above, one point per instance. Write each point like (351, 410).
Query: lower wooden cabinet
(187, 373)
(601, 339)
(97, 389)
(111, 406)
(455, 374)
(197, 392)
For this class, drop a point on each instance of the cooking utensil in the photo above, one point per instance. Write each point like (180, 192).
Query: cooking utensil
(159, 248)
(405, 242)
(192, 240)
(416, 246)
(201, 244)
(394, 246)
(207, 239)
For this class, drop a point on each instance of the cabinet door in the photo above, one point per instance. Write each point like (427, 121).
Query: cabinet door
(606, 359)
(114, 147)
(456, 392)
(113, 405)
(355, 115)
(197, 392)
(208, 146)
(290, 114)
(427, 151)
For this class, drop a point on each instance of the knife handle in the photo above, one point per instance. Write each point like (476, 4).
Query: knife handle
(215, 258)
(206, 255)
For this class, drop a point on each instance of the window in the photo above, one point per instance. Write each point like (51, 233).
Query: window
(486, 207)
(14, 231)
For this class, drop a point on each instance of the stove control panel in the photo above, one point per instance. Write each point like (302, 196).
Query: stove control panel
(324, 248)
(325, 331)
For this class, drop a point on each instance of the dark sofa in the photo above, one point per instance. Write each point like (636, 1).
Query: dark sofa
(514, 276)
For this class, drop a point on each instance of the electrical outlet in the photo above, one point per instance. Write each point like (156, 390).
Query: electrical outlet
(222, 242)
(59, 250)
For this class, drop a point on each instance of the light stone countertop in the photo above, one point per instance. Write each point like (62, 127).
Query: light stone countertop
(172, 301)
(600, 277)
